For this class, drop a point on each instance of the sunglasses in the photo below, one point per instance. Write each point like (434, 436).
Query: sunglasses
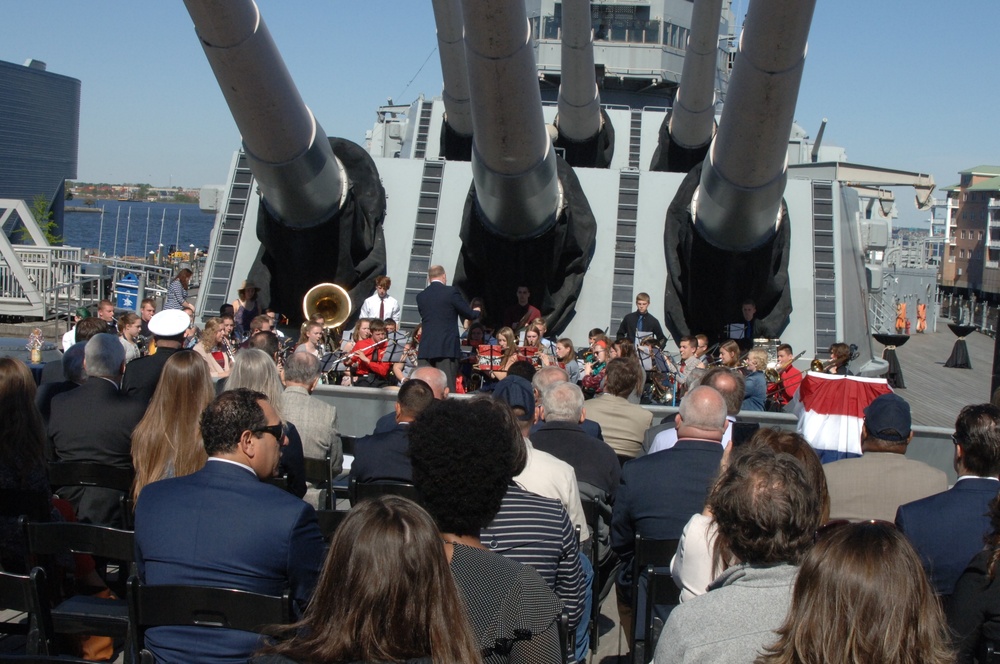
(276, 430)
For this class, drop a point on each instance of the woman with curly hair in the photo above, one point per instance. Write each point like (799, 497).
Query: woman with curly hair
(463, 455)
(862, 596)
(167, 441)
(385, 595)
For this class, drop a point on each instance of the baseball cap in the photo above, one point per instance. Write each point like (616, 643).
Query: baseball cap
(888, 418)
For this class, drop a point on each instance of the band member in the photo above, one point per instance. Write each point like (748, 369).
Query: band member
(840, 356)
(702, 351)
(508, 356)
(690, 369)
(381, 305)
(756, 385)
(520, 315)
(729, 354)
(789, 378)
(311, 339)
(640, 322)
(750, 327)
(362, 330)
(372, 370)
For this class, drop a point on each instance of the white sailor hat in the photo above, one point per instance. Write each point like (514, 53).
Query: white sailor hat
(169, 323)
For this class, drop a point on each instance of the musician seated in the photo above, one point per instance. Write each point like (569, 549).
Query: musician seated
(840, 356)
(749, 328)
(756, 385)
(508, 354)
(702, 351)
(729, 354)
(362, 330)
(518, 316)
(789, 378)
(403, 369)
(310, 340)
(543, 328)
(372, 370)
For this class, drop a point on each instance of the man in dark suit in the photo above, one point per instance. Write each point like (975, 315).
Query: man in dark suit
(440, 306)
(947, 529)
(595, 463)
(438, 382)
(660, 492)
(94, 424)
(640, 323)
(142, 375)
(386, 456)
(223, 526)
(548, 376)
(74, 374)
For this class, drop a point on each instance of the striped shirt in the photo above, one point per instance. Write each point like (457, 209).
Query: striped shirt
(536, 531)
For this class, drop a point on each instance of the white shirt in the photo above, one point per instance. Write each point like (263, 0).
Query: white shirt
(370, 308)
(551, 477)
(69, 338)
(667, 439)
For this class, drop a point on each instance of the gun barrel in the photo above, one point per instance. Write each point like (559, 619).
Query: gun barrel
(743, 180)
(302, 181)
(454, 71)
(513, 163)
(579, 99)
(692, 119)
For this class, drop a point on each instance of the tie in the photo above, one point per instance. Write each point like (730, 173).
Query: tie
(638, 325)
(381, 309)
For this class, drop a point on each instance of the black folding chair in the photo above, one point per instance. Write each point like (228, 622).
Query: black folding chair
(82, 613)
(23, 594)
(341, 490)
(319, 473)
(660, 591)
(648, 553)
(15, 503)
(359, 491)
(329, 521)
(94, 475)
(7, 658)
(566, 639)
(202, 606)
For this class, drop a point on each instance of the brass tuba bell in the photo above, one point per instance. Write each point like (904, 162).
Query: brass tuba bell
(329, 301)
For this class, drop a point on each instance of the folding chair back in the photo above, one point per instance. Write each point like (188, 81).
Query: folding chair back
(364, 490)
(24, 594)
(648, 553)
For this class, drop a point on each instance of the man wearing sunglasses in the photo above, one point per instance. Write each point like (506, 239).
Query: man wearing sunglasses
(224, 526)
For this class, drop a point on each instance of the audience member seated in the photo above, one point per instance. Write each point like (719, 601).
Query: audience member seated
(384, 557)
(315, 419)
(167, 441)
(696, 563)
(386, 456)
(659, 492)
(94, 424)
(874, 485)
(254, 370)
(542, 473)
(767, 513)
(222, 526)
(948, 529)
(559, 434)
(546, 376)
(974, 608)
(141, 376)
(731, 386)
(434, 377)
(462, 454)
(861, 596)
(84, 331)
(74, 374)
(623, 424)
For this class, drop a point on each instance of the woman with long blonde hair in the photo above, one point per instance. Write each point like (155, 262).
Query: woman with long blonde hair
(210, 348)
(508, 343)
(167, 441)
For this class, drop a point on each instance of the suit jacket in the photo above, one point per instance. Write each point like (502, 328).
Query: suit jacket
(222, 526)
(142, 375)
(440, 306)
(947, 529)
(628, 326)
(590, 427)
(593, 461)
(875, 484)
(624, 424)
(660, 492)
(94, 423)
(383, 456)
(316, 421)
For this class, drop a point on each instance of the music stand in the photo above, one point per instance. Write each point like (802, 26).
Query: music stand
(393, 351)
(332, 362)
(639, 336)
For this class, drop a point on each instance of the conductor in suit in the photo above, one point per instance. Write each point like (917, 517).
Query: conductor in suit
(222, 526)
(440, 306)
(947, 529)
(93, 423)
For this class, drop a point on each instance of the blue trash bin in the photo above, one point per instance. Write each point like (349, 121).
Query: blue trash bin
(127, 292)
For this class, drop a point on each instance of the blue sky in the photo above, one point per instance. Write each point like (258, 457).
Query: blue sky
(903, 85)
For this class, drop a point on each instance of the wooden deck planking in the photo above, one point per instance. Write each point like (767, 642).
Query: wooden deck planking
(936, 393)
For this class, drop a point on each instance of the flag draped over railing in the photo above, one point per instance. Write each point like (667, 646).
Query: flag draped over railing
(831, 411)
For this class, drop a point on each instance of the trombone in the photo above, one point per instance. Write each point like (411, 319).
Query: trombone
(773, 374)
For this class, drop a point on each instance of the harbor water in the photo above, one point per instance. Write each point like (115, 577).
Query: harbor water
(132, 228)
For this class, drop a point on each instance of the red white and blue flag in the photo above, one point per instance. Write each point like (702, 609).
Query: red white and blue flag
(831, 410)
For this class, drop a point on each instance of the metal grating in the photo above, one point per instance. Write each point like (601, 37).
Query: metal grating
(423, 240)
(824, 281)
(623, 279)
(227, 239)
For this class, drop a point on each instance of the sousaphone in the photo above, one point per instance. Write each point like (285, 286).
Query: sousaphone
(329, 301)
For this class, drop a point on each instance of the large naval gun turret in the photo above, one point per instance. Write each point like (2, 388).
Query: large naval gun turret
(650, 196)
